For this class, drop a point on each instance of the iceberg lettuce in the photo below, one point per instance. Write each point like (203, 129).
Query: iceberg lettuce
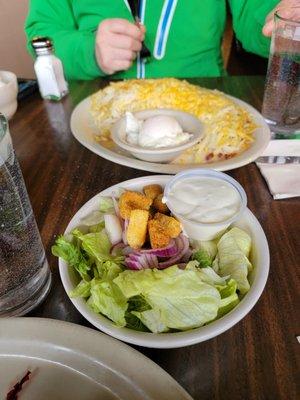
(106, 298)
(97, 246)
(178, 296)
(83, 289)
(233, 249)
(73, 255)
(229, 297)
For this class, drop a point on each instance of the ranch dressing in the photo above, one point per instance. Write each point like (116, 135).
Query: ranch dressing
(204, 200)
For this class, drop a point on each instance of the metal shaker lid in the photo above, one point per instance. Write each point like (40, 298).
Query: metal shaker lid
(42, 44)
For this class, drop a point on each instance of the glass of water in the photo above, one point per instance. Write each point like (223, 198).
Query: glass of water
(281, 105)
(25, 276)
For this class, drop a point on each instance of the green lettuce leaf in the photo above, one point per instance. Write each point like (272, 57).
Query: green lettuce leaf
(233, 248)
(203, 258)
(106, 298)
(178, 296)
(229, 298)
(215, 264)
(106, 205)
(73, 255)
(207, 275)
(97, 227)
(152, 319)
(209, 246)
(95, 219)
(108, 270)
(97, 246)
(139, 304)
(242, 239)
(133, 322)
(83, 289)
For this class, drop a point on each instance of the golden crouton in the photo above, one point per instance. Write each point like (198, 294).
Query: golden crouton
(170, 225)
(152, 191)
(133, 201)
(137, 228)
(159, 205)
(157, 235)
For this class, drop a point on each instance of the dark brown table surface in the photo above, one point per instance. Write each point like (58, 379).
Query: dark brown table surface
(257, 358)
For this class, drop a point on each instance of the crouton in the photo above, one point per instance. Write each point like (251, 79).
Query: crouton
(133, 201)
(157, 235)
(170, 225)
(137, 228)
(152, 191)
(159, 205)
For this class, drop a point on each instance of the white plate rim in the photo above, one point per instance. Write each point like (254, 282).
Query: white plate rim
(80, 115)
(68, 336)
(166, 340)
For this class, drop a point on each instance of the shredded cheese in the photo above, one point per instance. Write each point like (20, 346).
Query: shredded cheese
(228, 127)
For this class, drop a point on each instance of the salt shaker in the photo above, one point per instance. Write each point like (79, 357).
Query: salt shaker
(49, 70)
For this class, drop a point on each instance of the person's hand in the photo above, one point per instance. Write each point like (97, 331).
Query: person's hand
(269, 24)
(117, 43)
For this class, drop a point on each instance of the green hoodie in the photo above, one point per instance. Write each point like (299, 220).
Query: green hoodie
(184, 36)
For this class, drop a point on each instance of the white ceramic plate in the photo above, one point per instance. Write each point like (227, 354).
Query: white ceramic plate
(258, 278)
(81, 127)
(69, 361)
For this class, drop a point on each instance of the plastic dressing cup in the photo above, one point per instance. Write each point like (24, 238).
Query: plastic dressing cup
(204, 230)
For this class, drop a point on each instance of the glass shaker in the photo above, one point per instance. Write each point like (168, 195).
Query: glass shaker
(49, 70)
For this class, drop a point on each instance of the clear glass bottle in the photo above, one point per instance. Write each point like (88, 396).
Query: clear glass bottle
(49, 70)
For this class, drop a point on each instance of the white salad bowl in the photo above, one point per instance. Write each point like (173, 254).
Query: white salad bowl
(8, 93)
(188, 122)
(259, 257)
(258, 277)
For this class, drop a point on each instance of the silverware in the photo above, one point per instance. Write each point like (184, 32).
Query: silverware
(278, 160)
(134, 7)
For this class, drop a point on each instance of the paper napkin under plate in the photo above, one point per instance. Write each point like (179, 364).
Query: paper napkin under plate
(283, 179)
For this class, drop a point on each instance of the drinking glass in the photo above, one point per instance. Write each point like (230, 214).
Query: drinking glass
(24, 272)
(281, 104)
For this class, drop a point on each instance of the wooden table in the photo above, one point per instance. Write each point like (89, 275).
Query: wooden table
(257, 358)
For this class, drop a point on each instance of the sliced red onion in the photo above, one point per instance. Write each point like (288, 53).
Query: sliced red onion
(151, 260)
(183, 246)
(116, 206)
(181, 265)
(124, 233)
(133, 264)
(186, 257)
(127, 250)
(163, 252)
(141, 261)
(116, 247)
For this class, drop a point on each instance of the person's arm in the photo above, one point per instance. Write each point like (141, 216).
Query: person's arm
(248, 21)
(75, 48)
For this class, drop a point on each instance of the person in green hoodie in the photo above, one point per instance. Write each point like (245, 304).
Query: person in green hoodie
(99, 37)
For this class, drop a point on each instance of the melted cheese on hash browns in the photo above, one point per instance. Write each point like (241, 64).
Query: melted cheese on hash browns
(229, 127)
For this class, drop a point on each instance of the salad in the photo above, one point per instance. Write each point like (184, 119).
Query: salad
(136, 267)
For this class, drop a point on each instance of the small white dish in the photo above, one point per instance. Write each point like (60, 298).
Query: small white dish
(206, 231)
(259, 257)
(8, 93)
(188, 122)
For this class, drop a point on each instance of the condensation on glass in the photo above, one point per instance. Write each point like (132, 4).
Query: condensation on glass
(24, 272)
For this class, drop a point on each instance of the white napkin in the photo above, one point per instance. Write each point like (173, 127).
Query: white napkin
(283, 179)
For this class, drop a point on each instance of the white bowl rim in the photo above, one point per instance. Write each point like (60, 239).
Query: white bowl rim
(10, 76)
(143, 150)
(176, 339)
